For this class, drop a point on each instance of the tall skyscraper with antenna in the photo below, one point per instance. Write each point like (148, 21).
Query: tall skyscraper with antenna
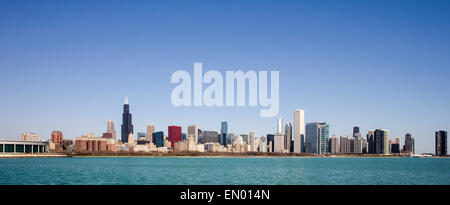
(127, 125)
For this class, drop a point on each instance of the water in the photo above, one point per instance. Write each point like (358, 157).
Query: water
(227, 171)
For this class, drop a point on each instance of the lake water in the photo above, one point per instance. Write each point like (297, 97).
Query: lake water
(226, 171)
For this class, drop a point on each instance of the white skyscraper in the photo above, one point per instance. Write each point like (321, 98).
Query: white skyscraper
(280, 125)
(299, 130)
(193, 130)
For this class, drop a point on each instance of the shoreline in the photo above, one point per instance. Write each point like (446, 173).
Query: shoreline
(198, 155)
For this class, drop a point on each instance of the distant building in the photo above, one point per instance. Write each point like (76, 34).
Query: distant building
(371, 142)
(262, 146)
(30, 137)
(57, 137)
(395, 148)
(280, 125)
(344, 143)
(441, 143)
(381, 141)
(150, 131)
(251, 139)
(244, 138)
(356, 131)
(287, 136)
(194, 131)
(409, 145)
(299, 131)
(270, 142)
(210, 136)
(317, 138)
(91, 143)
(223, 133)
(33, 146)
(174, 134)
(278, 145)
(158, 139)
(141, 136)
(334, 145)
(127, 125)
(110, 129)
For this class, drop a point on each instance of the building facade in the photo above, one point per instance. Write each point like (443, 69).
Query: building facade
(127, 124)
(441, 143)
(299, 131)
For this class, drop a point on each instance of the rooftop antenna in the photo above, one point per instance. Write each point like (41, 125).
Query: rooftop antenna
(126, 100)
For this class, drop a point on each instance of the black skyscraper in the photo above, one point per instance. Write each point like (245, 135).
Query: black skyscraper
(127, 126)
(441, 143)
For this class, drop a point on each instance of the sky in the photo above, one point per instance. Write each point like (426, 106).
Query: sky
(67, 65)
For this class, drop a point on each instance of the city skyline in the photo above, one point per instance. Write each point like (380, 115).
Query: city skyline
(379, 65)
(317, 139)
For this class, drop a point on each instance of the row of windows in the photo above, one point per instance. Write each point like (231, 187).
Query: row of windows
(9, 148)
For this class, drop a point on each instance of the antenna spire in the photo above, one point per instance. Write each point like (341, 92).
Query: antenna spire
(126, 100)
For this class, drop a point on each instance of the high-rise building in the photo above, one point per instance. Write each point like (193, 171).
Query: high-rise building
(334, 145)
(251, 140)
(441, 143)
(371, 142)
(174, 135)
(299, 131)
(317, 138)
(223, 133)
(278, 145)
(355, 131)
(344, 142)
(158, 139)
(150, 131)
(280, 125)
(193, 131)
(287, 136)
(408, 147)
(381, 141)
(110, 129)
(57, 137)
(127, 125)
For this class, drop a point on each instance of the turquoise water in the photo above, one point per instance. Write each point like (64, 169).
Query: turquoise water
(228, 171)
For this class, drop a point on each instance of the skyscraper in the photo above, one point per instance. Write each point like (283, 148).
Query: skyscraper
(344, 144)
(334, 145)
(127, 126)
(223, 133)
(441, 143)
(280, 125)
(174, 134)
(356, 132)
(371, 142)
(381, 141)
(408, 147)
(150, 131)
(193, 131)
(110, 129)
(299, 131)
(287, 136)
(251, 140)
(317, 138)
(278, 143)
(158, 139)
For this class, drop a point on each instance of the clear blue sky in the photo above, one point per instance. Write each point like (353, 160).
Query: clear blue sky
(67, 65)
